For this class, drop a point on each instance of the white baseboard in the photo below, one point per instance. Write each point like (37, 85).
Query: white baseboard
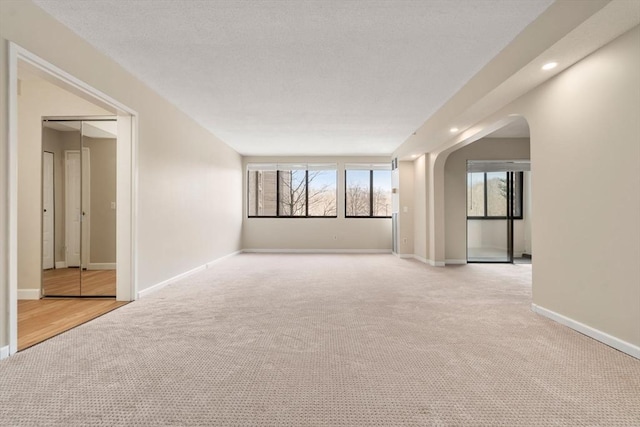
(421, 259)
(217, 260)
(101, 266)
(429, 261)
(61, 264)
(4, 352)
(603, 337)
(29, 293)
(403, 256)
(158, 286)
(319, 251)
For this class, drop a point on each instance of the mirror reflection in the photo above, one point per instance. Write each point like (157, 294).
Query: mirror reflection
(79, 210)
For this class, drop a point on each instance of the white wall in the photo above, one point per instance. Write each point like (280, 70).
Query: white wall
(406, 208)
(189, 182)
(317, 233)
(585, 152)
(455, 182)
(420, 208)
(585, 158)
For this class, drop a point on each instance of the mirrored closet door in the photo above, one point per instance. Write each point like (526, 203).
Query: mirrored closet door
(78, 207)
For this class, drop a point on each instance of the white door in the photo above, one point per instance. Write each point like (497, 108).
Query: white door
(73, 211)
(86, 208)
(77, 204)
(47, 212)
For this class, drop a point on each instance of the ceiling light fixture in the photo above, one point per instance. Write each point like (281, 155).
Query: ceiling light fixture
(453, 130)
(549, 66)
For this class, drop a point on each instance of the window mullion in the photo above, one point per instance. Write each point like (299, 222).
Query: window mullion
(277, 192)
(486, 194)
(345, 194)
(306, 192)
(371, 193)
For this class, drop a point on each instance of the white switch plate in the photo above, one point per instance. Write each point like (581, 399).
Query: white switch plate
(113, 205)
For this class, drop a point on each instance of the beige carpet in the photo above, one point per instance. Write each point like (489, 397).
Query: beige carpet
(326, 340)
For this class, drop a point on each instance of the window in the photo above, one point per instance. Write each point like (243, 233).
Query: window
(291, 190)
(487, 195)
(368, 190)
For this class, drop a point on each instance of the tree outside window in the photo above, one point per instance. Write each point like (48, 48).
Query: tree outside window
(367, 193)
(292, 191)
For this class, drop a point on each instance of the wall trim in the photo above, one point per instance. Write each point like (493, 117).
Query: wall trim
(217, 260)
(61, 264)
(319, 251)
(603, 337)
(29, 293)
(4, 352)
(455, 261)
(158, 286)
(101, 266)
(429, 261)
(403, 256)
(421, 259)
(154, 288)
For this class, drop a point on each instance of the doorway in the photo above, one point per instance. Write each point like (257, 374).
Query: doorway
(25, 266)
(496, 225)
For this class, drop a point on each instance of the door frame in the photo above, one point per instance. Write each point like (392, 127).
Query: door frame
(47, 154)
(126, 176)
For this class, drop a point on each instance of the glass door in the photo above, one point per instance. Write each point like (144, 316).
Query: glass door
(79, 207)
(98, 208)
(61, 208)
(494, 201)
(487, 222)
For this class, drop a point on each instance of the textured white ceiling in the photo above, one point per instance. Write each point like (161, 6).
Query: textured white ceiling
(518, 128)
(302, 77)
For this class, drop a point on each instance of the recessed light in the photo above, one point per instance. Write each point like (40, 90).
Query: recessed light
(413, 156)
(454, 129)
(549, 66)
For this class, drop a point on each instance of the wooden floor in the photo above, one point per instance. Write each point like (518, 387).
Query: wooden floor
(66, 282)
(39, 320)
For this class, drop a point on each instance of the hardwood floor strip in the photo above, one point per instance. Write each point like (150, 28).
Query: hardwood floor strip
(39, 320)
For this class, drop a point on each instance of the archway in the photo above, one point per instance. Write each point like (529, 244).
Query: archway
(507, 139)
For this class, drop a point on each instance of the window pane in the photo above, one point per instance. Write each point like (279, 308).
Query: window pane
(293, 194)
(322, 193)
(357, 192)
(381, 193)
(475, 194)
(497, 194)
(262, 193)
